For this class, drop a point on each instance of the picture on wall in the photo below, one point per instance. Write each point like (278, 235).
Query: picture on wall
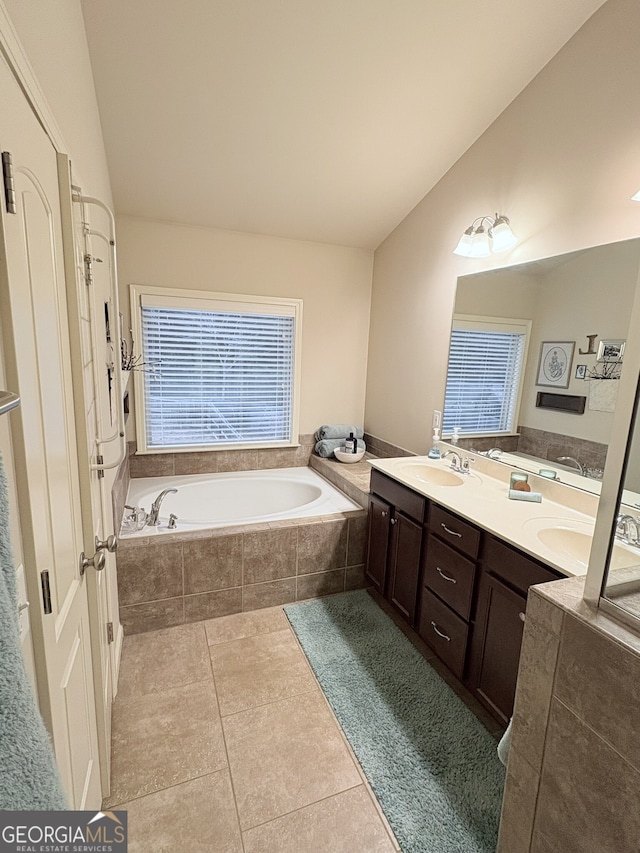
(555, 363)
(610, 350)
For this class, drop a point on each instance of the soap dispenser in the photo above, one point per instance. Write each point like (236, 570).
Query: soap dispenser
(434, 453)
(455, 438)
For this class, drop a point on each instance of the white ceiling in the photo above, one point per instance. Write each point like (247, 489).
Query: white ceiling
(324, 120)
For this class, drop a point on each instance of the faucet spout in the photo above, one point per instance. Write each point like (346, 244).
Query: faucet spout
(152, 520)
(574, 463)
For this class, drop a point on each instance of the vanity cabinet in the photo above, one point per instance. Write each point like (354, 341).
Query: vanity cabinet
(494, 655)
(394, 546)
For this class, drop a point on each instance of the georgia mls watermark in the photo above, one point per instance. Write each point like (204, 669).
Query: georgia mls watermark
(63, 832)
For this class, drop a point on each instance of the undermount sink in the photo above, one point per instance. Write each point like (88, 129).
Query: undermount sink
(432, 474)
(572, 538)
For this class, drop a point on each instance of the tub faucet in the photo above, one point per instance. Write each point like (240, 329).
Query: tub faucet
(152, 519)
(575, 463)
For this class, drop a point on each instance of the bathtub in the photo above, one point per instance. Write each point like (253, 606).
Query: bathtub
(206, 501)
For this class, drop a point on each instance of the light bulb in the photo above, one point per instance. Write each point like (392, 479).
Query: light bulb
(480, 244)
(502, 236)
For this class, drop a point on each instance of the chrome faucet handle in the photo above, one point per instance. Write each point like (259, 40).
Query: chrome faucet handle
(464, 467)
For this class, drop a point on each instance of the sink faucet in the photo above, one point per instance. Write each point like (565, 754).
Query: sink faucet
(152, 519)
(575, 463)
(457, 463)
(625, 524)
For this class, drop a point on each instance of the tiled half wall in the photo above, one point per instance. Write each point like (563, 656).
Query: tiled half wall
(188, 577)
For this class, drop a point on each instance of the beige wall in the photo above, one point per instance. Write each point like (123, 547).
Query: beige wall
(333, 281)
(561, 162)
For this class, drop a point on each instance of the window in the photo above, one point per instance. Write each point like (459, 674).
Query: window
(484, 378)
(220, 370)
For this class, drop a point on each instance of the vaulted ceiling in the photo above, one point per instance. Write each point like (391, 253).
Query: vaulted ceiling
(324, 121)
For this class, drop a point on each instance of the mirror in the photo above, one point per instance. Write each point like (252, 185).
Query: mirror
(581, 298)
(622, 585)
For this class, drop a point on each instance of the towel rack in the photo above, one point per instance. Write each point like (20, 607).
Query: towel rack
(8, 401)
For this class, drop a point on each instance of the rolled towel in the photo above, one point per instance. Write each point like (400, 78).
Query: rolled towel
(326, 447)
(503, 746)
(338, 431)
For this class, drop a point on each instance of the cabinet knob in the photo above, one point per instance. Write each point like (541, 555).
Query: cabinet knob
(394, 521)
(521, 617)
(439, 633)
(384, 513)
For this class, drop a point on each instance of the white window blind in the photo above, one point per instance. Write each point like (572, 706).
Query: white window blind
(217, 377)
(484, 378)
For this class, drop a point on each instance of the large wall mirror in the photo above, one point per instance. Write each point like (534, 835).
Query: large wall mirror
(577, 307)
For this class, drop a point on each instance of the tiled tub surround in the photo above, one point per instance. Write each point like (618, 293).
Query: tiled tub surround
(193, 576)
(573, 776)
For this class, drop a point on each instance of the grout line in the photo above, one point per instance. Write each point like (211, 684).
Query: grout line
(311, 689)
(166, 788)
(302, 808)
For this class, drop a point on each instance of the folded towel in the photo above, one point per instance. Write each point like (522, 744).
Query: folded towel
(503, 746)
(28, 774)
(338, 431)
(328, 445)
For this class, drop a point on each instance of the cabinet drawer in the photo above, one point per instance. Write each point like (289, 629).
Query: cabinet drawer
(514, 567)
(450, 575)
(445, 632)
(454, 530)
(406, 500)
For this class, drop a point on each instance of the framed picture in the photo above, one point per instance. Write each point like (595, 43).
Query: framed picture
(555, 363)
(610, 350)
(581, 371)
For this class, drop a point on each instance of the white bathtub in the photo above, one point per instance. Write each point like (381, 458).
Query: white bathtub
(242, 497)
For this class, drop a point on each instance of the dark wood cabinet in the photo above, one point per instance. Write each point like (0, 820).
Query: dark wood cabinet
(394, 546)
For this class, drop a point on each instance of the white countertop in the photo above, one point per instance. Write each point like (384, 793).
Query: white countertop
(556, 532)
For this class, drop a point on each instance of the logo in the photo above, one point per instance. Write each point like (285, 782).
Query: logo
(63, 832)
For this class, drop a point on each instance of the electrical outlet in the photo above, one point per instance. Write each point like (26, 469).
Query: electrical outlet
(437, 419)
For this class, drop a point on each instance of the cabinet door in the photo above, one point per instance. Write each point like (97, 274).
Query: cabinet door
(404, 567)
(495, 646)
(378, 542)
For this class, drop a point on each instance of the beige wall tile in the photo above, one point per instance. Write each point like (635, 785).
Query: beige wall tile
(163, 739)
(152, 615)
(535, 678)
(357, 540)
(588, 793)
(518, 806)
(322, 583)
(241, 625)
(151, 465)
(269, 554)
(300, 751)
(237, 460)
(588, 659)
(149, 573)
(322, 547)
(158, 660)
(209, 605)
(345, 823)
(214, 563)
(205, 462)
(278, 457)
(354, 577)
(182, 818)
(269, 594)
(259, 669)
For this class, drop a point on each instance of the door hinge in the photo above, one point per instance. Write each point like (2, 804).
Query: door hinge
(88, 270)
(100, 461)
(109, 632)
(46, 591)
(9, 185)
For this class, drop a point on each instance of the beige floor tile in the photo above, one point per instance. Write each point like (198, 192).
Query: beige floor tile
(345, 823)
(241, 625)
(284, 756)
(199, 815)
(163, 659)
(163, 739)
(259, 669)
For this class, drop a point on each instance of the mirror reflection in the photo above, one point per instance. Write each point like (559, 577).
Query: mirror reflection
(568, 319)
(623, 582)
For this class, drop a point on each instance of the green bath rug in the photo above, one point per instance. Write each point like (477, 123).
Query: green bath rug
(432, 765)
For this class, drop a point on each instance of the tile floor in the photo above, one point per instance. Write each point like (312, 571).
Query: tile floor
(224, 743)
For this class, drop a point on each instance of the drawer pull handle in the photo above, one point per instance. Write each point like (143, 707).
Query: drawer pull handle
(521, 617)
(384, 513)
(451, 532)
(439, 633)
(445, 577)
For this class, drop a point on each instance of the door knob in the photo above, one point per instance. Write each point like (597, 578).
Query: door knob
(110, 543)
(97, 561)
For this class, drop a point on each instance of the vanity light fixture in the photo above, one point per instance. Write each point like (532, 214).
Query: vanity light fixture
(478, 242)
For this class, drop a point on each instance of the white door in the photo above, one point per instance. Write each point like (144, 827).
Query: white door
(35, 332)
